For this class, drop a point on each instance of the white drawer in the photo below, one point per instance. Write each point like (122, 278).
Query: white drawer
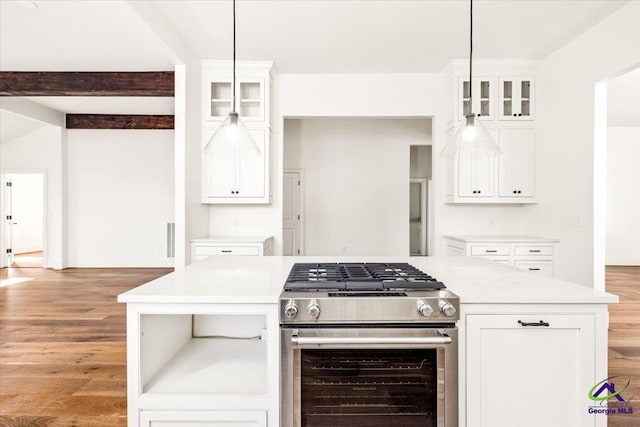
(492, 250)
(542, 267)
(534, 250)
(226, 250)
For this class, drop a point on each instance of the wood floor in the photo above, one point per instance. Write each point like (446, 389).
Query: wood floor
(624, 338)
(63, 356)
(62, 346)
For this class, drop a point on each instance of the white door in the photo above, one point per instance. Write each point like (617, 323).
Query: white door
(292, 215)
(8, 222)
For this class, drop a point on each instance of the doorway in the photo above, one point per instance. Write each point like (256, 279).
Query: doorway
(420, 157)
(292, 218)
(23, 214)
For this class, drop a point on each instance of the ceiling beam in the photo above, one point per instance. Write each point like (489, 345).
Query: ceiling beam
(45, 83)
(119, 121)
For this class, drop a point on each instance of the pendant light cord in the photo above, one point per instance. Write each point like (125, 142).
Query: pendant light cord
(234, 55)
(470, 55)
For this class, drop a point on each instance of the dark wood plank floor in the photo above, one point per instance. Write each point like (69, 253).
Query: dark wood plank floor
(63, 356)
(62, 346)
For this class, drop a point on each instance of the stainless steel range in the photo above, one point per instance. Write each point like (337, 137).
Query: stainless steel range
(368, 344)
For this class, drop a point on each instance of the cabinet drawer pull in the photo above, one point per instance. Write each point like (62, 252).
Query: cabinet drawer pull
(226, 251)
(533, 251)
(491, 251)
(540, 323)
(534, 269)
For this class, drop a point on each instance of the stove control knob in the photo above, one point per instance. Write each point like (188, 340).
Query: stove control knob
(446, 308)
(291, 309)
(424, 309)
(313, 309)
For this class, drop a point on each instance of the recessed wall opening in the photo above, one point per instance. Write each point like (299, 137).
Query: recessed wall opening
(23, 215)
(622, 232)
(616, 150)
(420, 194)
(354, 176)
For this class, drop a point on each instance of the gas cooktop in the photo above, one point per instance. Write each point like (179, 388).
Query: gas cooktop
(358, 277)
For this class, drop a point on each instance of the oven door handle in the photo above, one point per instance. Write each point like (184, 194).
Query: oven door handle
(370, 340)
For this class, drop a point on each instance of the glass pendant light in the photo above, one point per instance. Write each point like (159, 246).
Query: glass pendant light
(233, 137)
(471, 135)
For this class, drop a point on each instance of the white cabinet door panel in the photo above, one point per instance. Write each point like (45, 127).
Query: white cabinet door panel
(202, 419)
(516, 164)
(251, 180)
(512, 367)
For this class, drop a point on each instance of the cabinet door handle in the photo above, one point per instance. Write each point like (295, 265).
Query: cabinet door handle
(534, 269)
(491, 251)
(534, 250)
(226, 251)
(540, 323)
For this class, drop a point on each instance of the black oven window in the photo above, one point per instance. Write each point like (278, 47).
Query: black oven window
(386, 388)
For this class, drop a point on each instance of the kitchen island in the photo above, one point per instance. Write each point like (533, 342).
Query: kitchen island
(203, 343)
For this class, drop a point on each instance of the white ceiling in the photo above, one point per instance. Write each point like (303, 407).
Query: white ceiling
(624, 100)
(301, 36)
(107, 104)
(380, 36)
(78, 35)
(14, 126)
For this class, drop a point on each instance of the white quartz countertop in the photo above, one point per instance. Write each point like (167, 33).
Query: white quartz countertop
(259, 280)
(500, 238)
(232, 238)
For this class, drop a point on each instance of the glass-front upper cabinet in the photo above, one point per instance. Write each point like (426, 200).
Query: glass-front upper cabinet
(249, 100)
(253, 81)
(516, 99)
(476, 97)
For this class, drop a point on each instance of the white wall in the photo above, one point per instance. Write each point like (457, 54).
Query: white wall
(356, 182)
(27, 210)
(41, 150)
(623, 203)
(120, 197)
(565, 140)
(361, 95)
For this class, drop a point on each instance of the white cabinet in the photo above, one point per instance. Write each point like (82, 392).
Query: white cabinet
(516, 98)
(519, 373)
(202, 419)
(477, 98)
(475, 175)
(503, 98)
(203, 364)
(516, 164)
(234, 178)
(205, 247)
(253, 81)
(534, 254)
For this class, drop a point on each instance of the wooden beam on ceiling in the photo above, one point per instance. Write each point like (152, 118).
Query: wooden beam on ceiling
(41, 83)
(119, 121)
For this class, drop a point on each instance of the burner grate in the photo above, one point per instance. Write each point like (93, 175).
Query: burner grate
(359, 277)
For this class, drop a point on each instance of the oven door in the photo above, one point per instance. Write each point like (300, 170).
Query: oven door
(391, 377)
